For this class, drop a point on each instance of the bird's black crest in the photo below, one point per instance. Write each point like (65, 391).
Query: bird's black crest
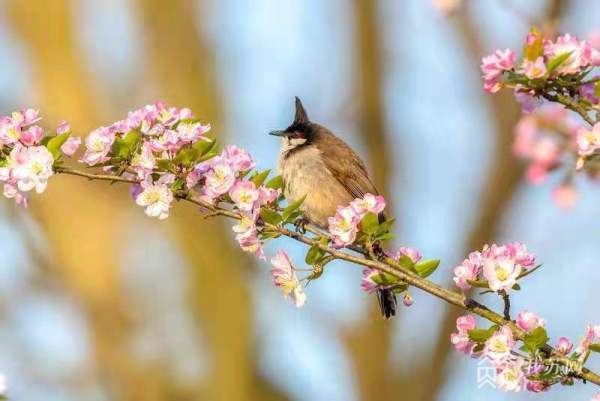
(301, 116)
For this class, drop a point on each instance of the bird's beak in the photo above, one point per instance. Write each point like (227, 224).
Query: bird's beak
(278, 133)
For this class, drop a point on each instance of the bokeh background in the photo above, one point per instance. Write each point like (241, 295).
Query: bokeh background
(99, 302)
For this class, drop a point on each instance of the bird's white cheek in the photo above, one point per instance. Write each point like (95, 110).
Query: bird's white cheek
(291, 143)
(297, 141)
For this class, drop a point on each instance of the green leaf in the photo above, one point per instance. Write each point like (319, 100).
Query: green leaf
(178, 184)
(385, 226)
(481, 335)
(595, 347)
(384, 279)
(275, 182)
(478, 283)
(55, 143)
(597, 89)
(259, 178)
(186, 157)
(270, 216)
(313, 255)
(557, 61)
(427, 267)
(385, 236)
(370, 223)
(209, 155)
(399, 289)
(292, 208)
(268, 234)
(406, 263)
(203, 147)
(190, 120)
(163, 164)
(536, 339)
(516, 287)
(132, 138)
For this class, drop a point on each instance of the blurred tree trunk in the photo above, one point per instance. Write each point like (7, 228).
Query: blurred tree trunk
(84, 243)
(504, 178)
(182, 66)
(369, 343)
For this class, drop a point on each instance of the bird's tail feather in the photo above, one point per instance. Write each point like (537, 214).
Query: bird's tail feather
(387, 302)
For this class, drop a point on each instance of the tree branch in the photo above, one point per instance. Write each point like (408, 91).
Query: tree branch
(389, 266)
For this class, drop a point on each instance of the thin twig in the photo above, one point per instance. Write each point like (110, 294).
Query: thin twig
(506, 300)
(569, 104)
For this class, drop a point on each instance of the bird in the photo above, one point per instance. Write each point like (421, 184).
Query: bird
(315, 163)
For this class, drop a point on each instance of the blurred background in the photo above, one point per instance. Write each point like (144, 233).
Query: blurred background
(99, 302)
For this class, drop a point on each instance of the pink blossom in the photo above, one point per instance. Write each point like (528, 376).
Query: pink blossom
(219, 179)
(192, 132)
(534, 69)
(32, 135)
(580, 54)
(461, 340)
(28, 168)
(268, 195)
(368, 203)
(11, 192)
(564, 346)
(511, 377)
(527, 99)
(156, 197)
(536, 173)
(411, 253)
(63, 128)
(492, 67)
(71, 145)
(244, 194)
(144, 162)
(525, 134)
(591, 335)
(537, 386)
(565, 196)
(407, 299)
(468, 270)
(501, 273)
(368, 283)
(98, 143)
(518, 251)
(239, 159)
(528, 321)
(545, 151)
(344, 226)
(588, 91)
(498, 347)
(247, 234)
(588, 141)
(285, 278)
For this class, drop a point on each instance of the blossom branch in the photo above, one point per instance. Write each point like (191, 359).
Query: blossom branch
(388, 266)
(164, 154)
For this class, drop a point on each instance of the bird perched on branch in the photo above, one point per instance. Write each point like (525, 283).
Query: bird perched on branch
(316, 163)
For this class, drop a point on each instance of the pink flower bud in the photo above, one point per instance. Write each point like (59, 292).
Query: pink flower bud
(528, 321)
(71, 145)
(564, 346)
(407, 300)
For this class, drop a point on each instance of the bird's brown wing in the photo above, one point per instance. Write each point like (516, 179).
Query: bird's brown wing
(347, 167)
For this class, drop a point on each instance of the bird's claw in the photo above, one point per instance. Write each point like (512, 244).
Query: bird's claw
(300, 225)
